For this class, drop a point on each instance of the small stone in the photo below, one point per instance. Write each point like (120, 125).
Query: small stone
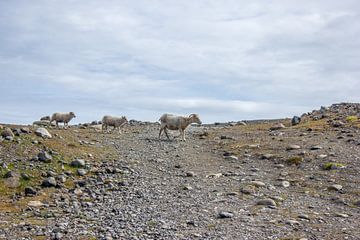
(58, 236)
(190, 174)
(29, 191)
(42, 132)
(316, 147)
(224, 214)
(257, 183)
(25, 130)
(292, 222)
(78, 163)
(285, 184)
(81, 172)
(303, 216)
(44, 157)
(232, 157)
(292, 147)
(49, 182)
(336, 187)
(322, 156)
(248, 190)
(187, 187)
(35, 204)
(266, 202)
(342, 215)
(277, 126)
(7, 133)
(267, 156)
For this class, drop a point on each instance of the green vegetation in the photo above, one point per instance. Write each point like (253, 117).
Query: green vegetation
(332, 166)
(297, 160)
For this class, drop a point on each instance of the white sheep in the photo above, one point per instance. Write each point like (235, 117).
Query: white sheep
(173, 122)
(62, 118)
(116, 122)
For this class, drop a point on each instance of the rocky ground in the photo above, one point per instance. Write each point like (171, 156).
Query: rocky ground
(253, 180)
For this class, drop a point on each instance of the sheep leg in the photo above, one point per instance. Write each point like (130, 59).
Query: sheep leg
(182, 133)
(166, 132)
(161, 129)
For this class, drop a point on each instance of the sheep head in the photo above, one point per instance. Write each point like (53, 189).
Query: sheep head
(194, 118)
(72, 114)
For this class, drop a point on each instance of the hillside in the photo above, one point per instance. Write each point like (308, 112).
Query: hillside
(227, 181)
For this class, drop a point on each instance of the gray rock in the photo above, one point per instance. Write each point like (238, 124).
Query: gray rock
(190, 174)
(49, 182)
(45, 118)
(285, 184)
(7, 133)
(295, 120)
(29, 191)
(81, 172)
(267, 156)
(25, 130)
(316, 147)
(335, 187)
(257, 183)
(80, 163)
(266, 202)
(277, 126)
(224, 214)
(10, 174)
(44, 157)
(42, 132)
(43, 123)
(232, 157)
(292, 147)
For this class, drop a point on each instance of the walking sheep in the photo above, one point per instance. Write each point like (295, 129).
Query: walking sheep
(62, 118)
(115, 122)
(173, 122)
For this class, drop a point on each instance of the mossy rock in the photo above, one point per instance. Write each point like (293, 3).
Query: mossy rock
(297, 160)
(332, 166)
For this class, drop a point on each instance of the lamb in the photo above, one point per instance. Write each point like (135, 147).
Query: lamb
(173, 122)
(116, 122)
(62, 118)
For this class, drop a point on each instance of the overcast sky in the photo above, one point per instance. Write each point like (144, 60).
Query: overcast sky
(226, 60)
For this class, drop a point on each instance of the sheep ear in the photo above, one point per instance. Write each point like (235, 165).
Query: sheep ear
(191, 115)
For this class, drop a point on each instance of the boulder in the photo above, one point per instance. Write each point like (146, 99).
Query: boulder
(7, 133)
(295, 120)
(42, 132)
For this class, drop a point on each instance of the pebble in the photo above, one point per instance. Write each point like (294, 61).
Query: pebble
(232, 157)
(285, 184)
(336, 187)
(316, 147)
(49, 182)
(342, 215)
(81, 172)
(266, 202)
(224, 214)
(44, 157)
(35, 204)
(257, 183)
(78, 163)
(292, 147)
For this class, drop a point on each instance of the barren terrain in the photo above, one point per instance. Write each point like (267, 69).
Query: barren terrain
(227, 181)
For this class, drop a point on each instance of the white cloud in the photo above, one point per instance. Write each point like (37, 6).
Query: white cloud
(244, 59)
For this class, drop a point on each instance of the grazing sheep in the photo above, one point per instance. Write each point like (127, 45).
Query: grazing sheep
(62, 118)
(116, 122)
(173, 122)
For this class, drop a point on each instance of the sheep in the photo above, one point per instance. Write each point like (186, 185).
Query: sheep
(173, 122)
(62, 118)
(116, 122)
